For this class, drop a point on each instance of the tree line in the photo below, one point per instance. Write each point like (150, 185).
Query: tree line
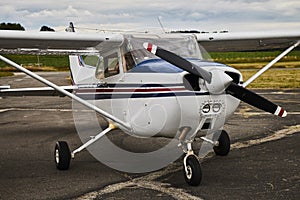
(18, 26)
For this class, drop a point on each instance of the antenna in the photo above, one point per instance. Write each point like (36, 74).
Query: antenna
(161, 25)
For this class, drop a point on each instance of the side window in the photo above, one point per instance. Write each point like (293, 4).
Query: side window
(128, 61)
(91, 60)
(108, 66)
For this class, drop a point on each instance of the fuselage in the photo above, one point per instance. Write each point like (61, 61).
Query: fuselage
(153, 96)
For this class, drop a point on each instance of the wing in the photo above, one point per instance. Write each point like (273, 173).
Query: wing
(251, 41)
(50, 42)
(247, 41)
(25, 42)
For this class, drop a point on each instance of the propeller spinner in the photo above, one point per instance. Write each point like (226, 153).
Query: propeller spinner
(217, 81)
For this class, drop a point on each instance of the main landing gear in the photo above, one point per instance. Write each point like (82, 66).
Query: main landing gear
(63, 155)
(191, 165)
(223, 146)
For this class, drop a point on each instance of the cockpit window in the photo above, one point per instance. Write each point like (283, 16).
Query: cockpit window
(90, 60)
(128, 61)
(134, 53)
(130, 54)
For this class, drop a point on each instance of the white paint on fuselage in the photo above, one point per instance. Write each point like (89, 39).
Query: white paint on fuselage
(164, 116)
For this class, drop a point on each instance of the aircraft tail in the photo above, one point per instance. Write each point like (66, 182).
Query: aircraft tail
(71, 27)
(80, 72)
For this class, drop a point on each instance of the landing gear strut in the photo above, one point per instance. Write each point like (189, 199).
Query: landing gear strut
(191, 165)
(220, 142)
(63, 155)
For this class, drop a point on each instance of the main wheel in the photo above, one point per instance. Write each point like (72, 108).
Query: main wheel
(192, 172)
(224, 144)
(62, 155)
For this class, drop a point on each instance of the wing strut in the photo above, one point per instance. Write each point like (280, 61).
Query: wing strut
(265, 68)
(65, 92)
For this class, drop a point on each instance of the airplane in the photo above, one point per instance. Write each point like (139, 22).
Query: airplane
(150, 85)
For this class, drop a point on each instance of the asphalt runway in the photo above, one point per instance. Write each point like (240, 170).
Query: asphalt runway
(263, 164)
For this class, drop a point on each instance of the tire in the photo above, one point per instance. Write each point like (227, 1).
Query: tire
(224, 144)
(194, 175)
(62, 155)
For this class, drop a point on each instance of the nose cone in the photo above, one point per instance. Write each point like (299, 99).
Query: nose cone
(219, 82)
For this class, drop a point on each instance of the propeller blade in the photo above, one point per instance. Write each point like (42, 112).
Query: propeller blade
(255, 100)
(178, 61)
(217, 86)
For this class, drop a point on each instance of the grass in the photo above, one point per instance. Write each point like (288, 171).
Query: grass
(4, 74)
(274, 78)
(37, 63)
(253, 57)
(286, 74)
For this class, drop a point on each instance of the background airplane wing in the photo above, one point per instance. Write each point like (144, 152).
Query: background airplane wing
(247, 41)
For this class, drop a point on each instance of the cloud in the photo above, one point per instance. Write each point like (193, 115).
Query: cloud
(142, 14)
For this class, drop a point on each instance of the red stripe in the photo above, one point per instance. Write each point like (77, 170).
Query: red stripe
(130, 90)
(149, 48)
(281, 112)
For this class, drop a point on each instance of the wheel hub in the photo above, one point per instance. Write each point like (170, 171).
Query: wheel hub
(189, 172)
(56, 156)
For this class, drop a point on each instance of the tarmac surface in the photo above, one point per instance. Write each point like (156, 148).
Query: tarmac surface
(263, 163)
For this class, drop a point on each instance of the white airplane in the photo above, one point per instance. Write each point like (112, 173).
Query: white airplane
(136, 72)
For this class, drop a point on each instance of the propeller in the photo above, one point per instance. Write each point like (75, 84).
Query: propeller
(217, 81)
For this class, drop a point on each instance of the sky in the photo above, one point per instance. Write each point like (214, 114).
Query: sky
(142, 15)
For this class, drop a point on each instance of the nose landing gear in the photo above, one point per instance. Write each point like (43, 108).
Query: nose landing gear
(191, 167)
(192, 170)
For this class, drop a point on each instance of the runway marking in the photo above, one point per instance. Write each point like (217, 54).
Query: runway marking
(276, 136)
(43, 109)
(278, 93)
(35, 109)
(148, 182)
(245, 113)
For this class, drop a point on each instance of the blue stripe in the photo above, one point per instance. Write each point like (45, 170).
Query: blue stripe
(139, 95)
(135, 85)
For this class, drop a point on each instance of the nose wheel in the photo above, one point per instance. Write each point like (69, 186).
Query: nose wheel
(192, 170)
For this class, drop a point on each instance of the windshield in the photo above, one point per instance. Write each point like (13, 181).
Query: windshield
(134, 53)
